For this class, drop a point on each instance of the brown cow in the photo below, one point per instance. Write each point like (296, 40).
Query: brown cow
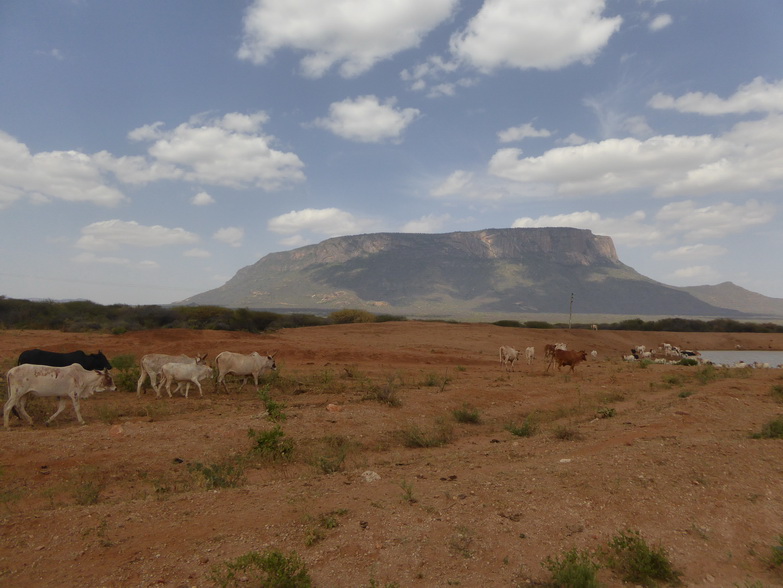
(569, 358)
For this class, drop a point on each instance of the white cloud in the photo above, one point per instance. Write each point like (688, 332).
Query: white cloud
(87, 257)
(228, 151)
(454, 184)
(716, 221)
(366, 120)
(533, 34)
(573, 139)
(111, 234)
(659, 22)
(202, 199)
(354, 34)
(692, 252)
(756, 96)
(230, 236)
(196, 252)
(524, 131)
(61, 175)
(632, 230)
(331, 222)
(703, 273)
(746, 158)
(431, 223)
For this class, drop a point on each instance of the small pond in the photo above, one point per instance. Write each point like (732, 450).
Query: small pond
(773, 358)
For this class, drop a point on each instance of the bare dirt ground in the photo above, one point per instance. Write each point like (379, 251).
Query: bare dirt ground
(118, 502)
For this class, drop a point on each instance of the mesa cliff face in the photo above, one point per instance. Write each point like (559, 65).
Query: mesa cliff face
(531, 270)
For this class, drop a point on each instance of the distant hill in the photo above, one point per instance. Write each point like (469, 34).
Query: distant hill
(500, 271)
(728, 295)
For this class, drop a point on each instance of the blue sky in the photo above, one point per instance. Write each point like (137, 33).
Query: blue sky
(149, 150)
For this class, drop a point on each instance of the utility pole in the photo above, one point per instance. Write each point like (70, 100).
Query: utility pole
(570, 309)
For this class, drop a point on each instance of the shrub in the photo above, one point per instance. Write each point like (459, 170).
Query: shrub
(776, 560)
(772, 430)
(437, 436)
(467, 414)
(351, 315)
(507, 323)
(689, 361)
(777, 392)
(566, 433)
(385, 393)
(526, 429)
(629, 556)
(271, 444)
(230, 473)
(575, 569)
(335, 451)
(605, 412)
(270, 569)
(274, 409)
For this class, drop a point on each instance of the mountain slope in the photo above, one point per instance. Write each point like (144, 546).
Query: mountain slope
(502, 271)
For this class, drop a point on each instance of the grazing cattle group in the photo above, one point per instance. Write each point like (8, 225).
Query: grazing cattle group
(76, 375)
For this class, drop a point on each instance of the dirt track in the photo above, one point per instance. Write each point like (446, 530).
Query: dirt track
(115, 503)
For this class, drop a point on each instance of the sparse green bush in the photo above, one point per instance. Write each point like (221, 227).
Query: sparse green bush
(629, 555)
(507, 323)
(124, 362)
(274, 409)
(467, 414)
(575, 569)
(777, 392)
(87, 492)
(385, 393)
(707, 374)
(270, 569)
(689, 361)
(271, 444)
(776, 559)
(771, 430)
(333, 455)
(566, 433)
(606, 412)
(437, 436)
(526, 429)
(229, 473)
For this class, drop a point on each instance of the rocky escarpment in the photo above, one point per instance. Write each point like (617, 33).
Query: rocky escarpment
(525, 270)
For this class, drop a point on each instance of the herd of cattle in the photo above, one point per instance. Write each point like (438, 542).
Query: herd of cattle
(77, 375)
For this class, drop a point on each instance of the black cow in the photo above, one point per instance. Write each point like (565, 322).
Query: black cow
(93, 361)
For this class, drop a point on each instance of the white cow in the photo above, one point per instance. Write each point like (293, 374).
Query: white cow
(72, 382)
(530, 355)
(243, 365)
(184, 373)
(508, 355)
(150, 365)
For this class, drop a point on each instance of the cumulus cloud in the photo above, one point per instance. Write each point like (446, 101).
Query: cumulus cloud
(230, 236)
(524, 131)
(431, 223)
(691, 252)
(756, 96)
(351, 34)
(330, 222)
(659, 22)
(695, 223)
(533, 34)
(454, 184)
(202, 199)
(228, 151)
(632, 230)
(746, 158)
(71, 176)
(366, 120)
(112, 234)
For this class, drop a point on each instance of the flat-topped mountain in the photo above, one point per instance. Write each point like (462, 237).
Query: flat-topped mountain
(503, 271)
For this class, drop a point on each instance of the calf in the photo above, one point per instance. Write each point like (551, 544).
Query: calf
(570, 358)
(72, 382)
(530, 355)
(150, 364)
(508, 355)
(184, 373)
